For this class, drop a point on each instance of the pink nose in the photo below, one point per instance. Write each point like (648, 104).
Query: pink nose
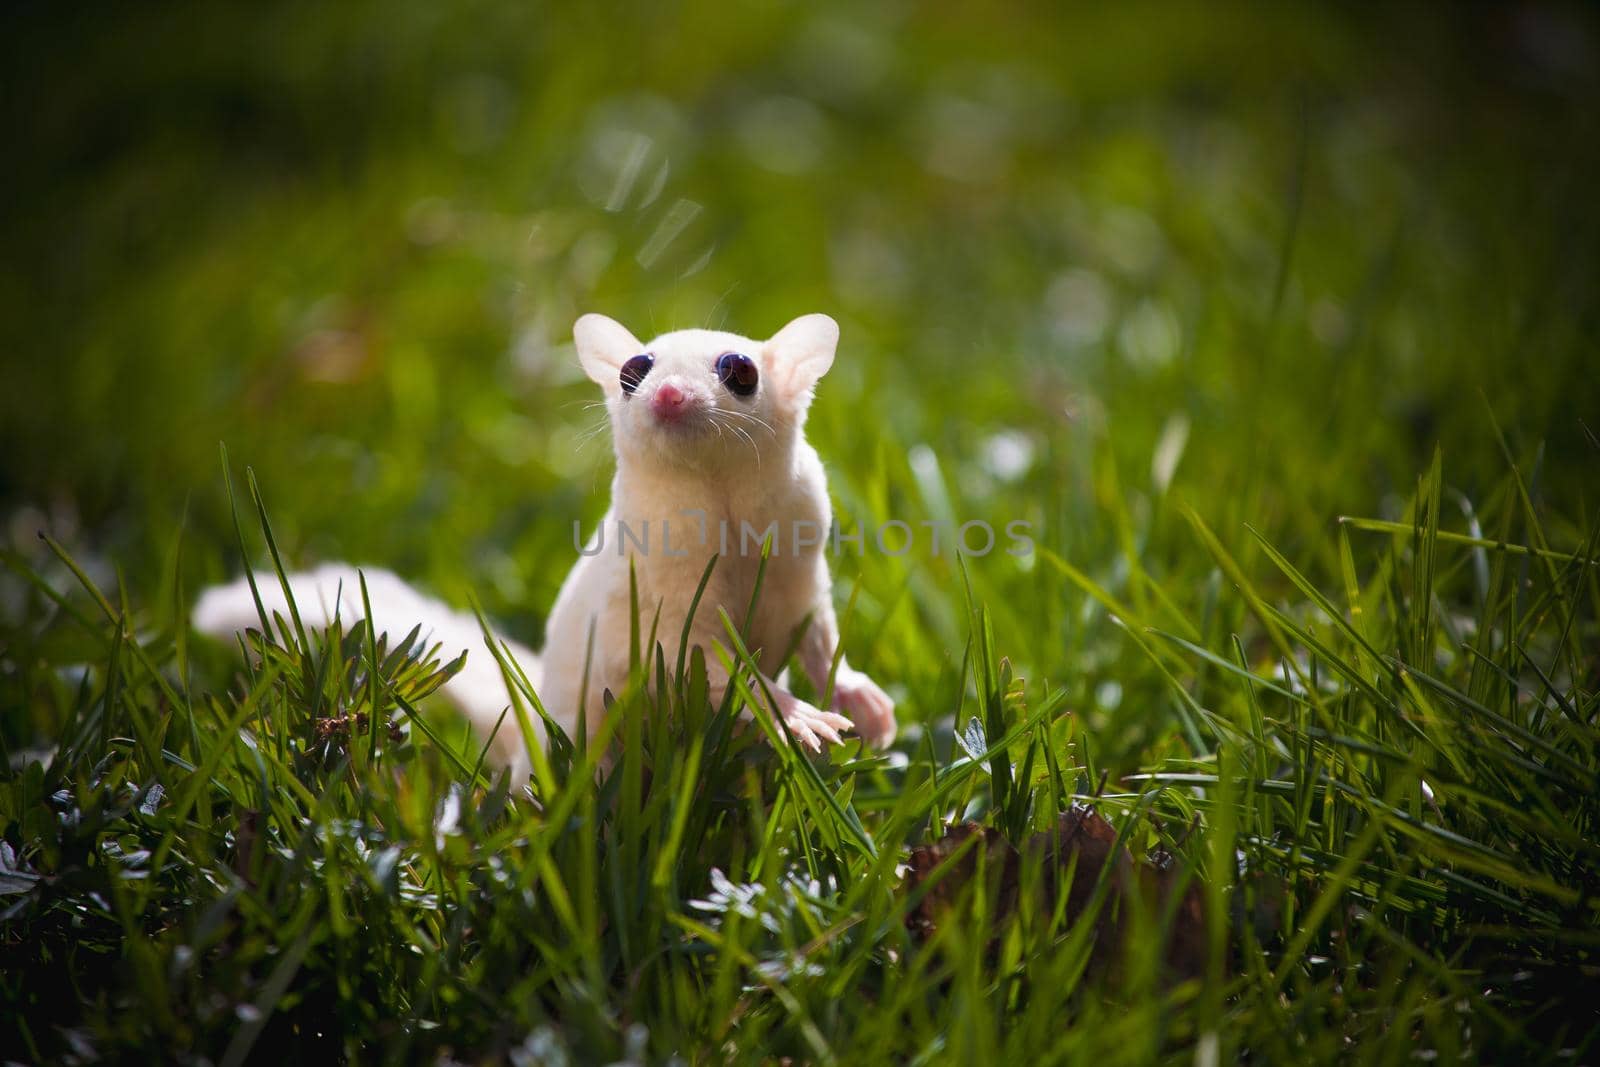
(669, 401)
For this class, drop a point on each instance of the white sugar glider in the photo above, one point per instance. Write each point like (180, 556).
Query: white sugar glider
(708, 429)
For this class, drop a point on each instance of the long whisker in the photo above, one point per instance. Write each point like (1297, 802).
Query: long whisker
(745, 415)
(583, 407)
(721, 305)
(749, 441)
(593, 432)
(739, 432)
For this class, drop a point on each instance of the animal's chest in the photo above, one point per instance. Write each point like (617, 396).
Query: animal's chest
(779, 602)
(672, 569)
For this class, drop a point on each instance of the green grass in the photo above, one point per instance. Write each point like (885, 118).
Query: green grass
(1286, 324)
(1392, 828)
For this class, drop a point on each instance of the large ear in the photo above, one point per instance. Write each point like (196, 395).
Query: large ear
(801, 353)
(603, 346)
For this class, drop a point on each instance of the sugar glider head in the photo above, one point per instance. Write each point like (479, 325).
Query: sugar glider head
(704, 398)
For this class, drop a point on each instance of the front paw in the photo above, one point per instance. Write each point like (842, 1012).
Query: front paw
(868, 706)
(813, 726)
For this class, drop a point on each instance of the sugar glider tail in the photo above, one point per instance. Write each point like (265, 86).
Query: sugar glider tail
(479, 689)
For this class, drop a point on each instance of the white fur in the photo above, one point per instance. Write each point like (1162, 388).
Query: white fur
(737, 460)
(334, 590)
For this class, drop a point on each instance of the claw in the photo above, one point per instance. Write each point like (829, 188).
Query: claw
(837, 721)
(869, 706)
(802, 733)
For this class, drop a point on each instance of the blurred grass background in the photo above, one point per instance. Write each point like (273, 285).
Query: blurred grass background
(1089, 265)
(1261, 260)
(1094, 267)
(1305, 242)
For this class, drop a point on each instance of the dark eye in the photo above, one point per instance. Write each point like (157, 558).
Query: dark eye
(634, 370)
(738, 373)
